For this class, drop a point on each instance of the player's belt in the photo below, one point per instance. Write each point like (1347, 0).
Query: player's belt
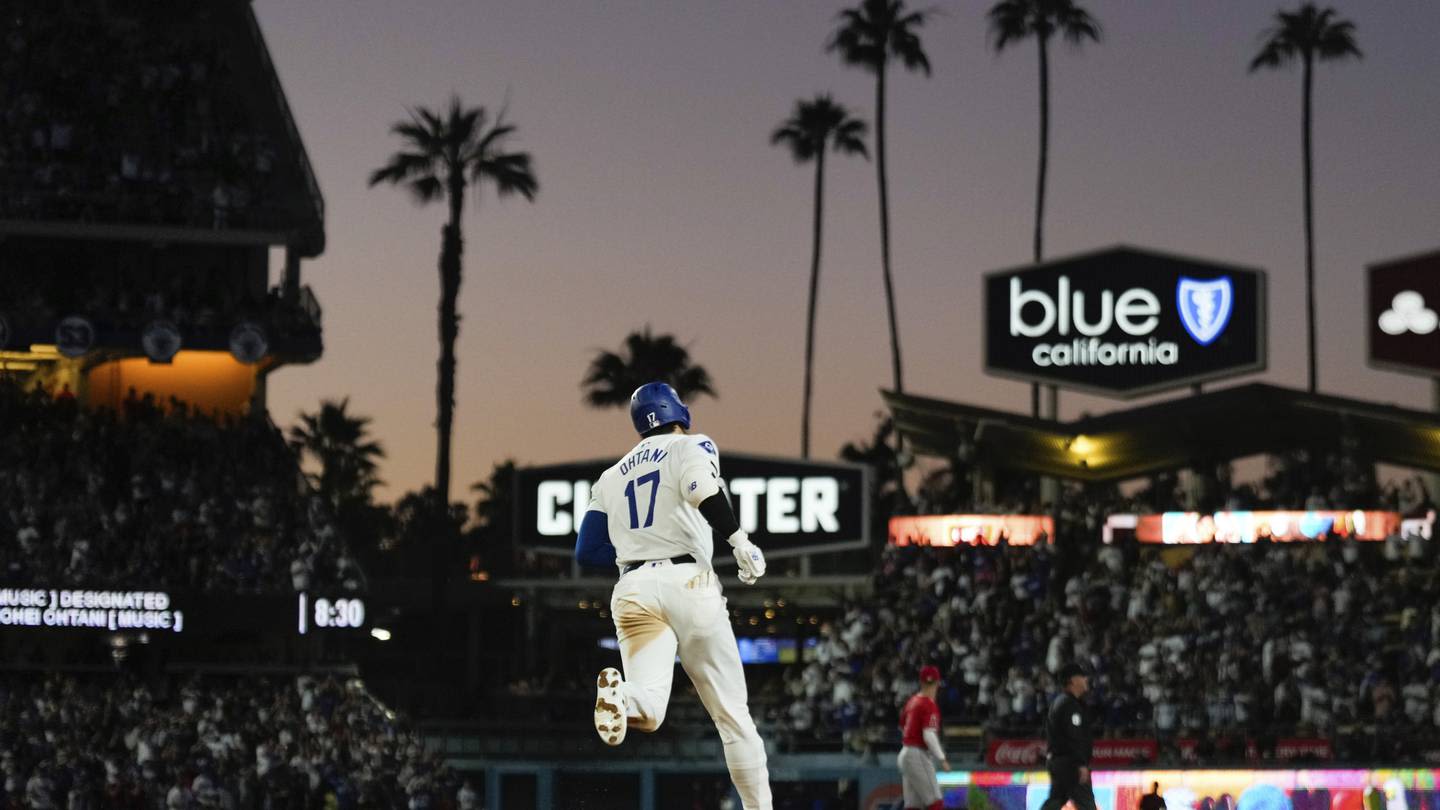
(626, 568)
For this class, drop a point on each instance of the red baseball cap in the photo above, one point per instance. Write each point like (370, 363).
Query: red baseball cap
(929, 673)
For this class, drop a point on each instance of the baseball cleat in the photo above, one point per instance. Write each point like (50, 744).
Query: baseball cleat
(610, 707)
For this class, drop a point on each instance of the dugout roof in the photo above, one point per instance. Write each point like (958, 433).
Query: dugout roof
(1214, 426)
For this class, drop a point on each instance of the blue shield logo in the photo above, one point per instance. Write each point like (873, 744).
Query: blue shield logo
(1205, 307)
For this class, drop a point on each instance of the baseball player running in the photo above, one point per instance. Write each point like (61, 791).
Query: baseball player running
(920, 725)
(652, 515)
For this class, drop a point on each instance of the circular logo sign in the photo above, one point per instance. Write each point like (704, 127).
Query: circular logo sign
(4, 332)
(248, 342)
(885, 797)
(161, 340)
(74, 336)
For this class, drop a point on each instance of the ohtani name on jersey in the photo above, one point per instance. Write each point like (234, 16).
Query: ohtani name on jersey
(649, 454)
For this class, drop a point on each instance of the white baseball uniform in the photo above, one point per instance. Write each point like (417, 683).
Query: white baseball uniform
(650, 498)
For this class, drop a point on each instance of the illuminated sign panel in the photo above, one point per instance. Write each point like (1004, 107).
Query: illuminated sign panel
(971, 530)
(89, 609)
(1124, 321)
(1404, 314)
(316, 612)
(787, 506)
(1273, 526)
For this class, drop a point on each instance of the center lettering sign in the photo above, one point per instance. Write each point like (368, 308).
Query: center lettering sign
(1124, 321)
(787, 506)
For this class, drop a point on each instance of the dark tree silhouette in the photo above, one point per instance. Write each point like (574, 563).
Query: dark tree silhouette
(813, 127)
(493, 535)
(613, 377)
(868, 37)
(1307, 35)
(444, 154)
(1011, 22)
(339, 443)
(887, 484)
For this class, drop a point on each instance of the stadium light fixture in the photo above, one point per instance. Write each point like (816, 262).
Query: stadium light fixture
(379, 634)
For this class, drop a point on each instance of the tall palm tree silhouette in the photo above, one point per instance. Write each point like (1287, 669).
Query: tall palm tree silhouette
(1308, 34)
(613, 376)
(1011, 22)
(340, 443)
(813, 127)
(444, 154)
(868, 37)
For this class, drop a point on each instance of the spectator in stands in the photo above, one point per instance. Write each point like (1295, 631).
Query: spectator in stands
(1217, 641)
(146, 123)
(244, 742)
(91, 498)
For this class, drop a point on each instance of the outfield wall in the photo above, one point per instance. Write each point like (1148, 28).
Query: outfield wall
(879, 786)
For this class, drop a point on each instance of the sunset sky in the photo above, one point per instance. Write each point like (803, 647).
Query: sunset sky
(663, 203)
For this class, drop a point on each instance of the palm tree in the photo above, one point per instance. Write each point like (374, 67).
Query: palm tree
(887, 483)
(612, 377)
(444, 154)
(494, 531)
(812, 127)
(1012, 21)
(338, 442)
(868, 37)
(495, 508)
(1307, 34)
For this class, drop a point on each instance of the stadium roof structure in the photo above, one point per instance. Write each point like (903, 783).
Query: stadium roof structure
(1213, 426)
(296, 216)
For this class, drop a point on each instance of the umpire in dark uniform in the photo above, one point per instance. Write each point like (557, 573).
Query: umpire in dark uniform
(1069, 739)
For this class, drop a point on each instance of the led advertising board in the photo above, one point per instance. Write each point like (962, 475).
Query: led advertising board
(141, 610)
(788, 506)
(1241, 789)
(971, 530)
(1273, 526)
(1124, 322)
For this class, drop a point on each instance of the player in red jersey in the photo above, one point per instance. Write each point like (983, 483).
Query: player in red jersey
(920, 725)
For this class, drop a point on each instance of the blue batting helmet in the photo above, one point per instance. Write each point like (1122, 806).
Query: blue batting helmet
(656, 404)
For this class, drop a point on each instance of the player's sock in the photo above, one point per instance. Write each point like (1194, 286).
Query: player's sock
(639, 715)
(935, 806)
(753, 785)
(746, 761)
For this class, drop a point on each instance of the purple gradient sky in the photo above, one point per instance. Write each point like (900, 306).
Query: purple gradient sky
(663, 203)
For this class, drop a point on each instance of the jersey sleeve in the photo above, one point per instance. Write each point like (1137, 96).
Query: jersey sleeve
(596, 505)
(593, 546)
(699, 464)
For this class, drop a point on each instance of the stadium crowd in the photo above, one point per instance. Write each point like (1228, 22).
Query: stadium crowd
(142, 125)
(1334, 639)
(168, 498)
(85, 742)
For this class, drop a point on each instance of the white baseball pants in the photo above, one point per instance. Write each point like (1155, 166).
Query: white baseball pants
(661, 608)
(917, 777)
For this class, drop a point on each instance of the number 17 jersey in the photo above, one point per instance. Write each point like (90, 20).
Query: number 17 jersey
(650, 498)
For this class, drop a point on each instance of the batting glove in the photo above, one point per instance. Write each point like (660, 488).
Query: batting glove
(748, 556)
